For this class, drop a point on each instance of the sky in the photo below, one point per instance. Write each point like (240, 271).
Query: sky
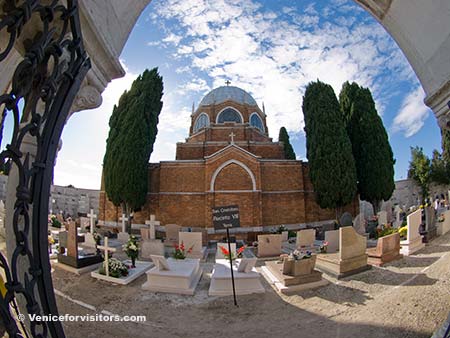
(271, 49)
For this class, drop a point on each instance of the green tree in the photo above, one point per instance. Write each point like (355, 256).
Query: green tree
(420, 171)
(439, 169)
(133, 128)
(329, 151)
(371, 150)
(288, 150)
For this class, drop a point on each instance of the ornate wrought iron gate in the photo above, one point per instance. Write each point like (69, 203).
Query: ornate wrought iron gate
(53, 64)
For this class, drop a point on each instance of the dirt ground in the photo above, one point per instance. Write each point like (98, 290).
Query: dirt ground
(407, 298)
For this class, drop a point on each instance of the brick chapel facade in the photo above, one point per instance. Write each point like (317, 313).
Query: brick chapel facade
(227, 159)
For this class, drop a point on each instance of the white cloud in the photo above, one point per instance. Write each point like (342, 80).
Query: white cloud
(274, 58)
(412, 115)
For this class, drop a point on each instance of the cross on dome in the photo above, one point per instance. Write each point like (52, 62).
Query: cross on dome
(227, 82)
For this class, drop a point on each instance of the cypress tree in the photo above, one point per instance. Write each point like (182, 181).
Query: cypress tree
(329, 152)
(289, 153)
(371, 150)
(133, 129)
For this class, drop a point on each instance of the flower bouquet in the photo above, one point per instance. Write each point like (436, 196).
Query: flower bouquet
(131, 248)
(180, 251)
(117, 269)
(226, 253)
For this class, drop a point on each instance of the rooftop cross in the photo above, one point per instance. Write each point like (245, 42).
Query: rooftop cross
(232, 135)
(227, 82)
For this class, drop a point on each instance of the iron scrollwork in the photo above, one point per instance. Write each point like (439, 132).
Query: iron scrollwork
(48, 38)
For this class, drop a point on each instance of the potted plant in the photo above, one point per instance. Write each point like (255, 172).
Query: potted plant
(323, 247)
(180, 251)
(299, 263)
(131, 248)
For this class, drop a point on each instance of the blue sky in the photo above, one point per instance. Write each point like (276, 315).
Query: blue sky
(272, 49)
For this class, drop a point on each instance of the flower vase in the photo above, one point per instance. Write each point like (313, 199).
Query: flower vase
(133, 262)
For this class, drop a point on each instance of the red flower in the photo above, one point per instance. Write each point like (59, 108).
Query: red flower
(241, 250)
(224, 251)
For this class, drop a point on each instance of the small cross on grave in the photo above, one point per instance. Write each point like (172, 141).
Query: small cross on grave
(232, 135)
(107, 249)
(92, 217)
(124, 220)
(152, 223)
(227, 82)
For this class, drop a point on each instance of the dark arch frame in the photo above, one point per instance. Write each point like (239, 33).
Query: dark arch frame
(47, 80)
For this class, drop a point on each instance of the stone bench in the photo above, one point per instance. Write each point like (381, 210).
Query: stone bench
(387, 250)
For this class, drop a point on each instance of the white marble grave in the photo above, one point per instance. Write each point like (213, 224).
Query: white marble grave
(269, 245)
(246, 278)
(133, 273)
(173, 276)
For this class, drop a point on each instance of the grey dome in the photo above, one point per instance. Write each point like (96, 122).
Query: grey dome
(224, 93)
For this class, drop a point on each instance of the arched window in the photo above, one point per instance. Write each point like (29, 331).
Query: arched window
(255, 121)
(201, 122)
(229, 115)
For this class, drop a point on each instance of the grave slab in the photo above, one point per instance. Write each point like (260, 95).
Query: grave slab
(245, 282)
(178, 276)
(273, 273)
(387, 250)
(139, 270)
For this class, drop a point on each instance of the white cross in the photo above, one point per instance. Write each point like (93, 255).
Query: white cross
(123, 219)
(232, 135)
(152, 223)
(107, 249)
(92, 216)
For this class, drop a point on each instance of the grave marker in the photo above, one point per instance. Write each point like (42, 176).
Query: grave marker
(106, 249)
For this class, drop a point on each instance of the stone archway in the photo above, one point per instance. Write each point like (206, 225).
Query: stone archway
(421, 29)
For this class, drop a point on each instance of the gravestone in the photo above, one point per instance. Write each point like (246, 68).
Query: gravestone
(123, 236)
(84, 223)
(192, 240)
(92, 218)
(360, 224)
(306, 238)
(269, 245)
(382, 218)
(150, 246)
(398, 217)
(69, 239)
(346, 220)
(366, 208)
(172, 234)
(332, 237)
(350, 259)
(89, 240)
(430, 224)
(152, 223)
(284, 236)
(413, 240)
(107, 249)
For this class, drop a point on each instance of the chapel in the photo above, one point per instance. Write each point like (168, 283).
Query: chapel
(228, 158)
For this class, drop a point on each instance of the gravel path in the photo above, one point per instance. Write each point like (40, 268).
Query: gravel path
(407, 298)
